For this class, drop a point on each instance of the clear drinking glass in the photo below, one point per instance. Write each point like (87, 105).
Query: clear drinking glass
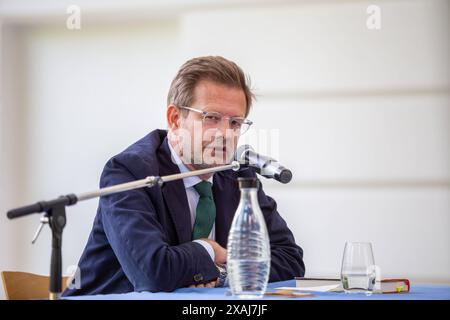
(358, 272)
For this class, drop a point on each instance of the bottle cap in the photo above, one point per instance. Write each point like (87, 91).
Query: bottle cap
(248, 183)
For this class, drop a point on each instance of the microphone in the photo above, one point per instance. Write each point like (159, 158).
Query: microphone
(265, 166)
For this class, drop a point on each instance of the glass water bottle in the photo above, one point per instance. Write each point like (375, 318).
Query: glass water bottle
(248, 257)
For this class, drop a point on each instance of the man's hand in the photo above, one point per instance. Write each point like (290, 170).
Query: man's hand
(219, 252)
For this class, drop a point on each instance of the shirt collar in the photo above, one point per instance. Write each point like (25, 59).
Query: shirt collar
(189, 181)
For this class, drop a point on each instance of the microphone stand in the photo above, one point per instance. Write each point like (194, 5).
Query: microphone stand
(55, 214)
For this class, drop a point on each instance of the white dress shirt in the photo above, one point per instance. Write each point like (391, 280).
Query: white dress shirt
(193, 197)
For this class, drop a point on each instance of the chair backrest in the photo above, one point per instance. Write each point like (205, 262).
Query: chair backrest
(26, 286)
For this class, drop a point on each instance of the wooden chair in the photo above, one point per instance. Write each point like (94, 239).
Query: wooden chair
(26, 286)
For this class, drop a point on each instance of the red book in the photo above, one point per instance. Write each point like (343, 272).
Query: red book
(395, 285)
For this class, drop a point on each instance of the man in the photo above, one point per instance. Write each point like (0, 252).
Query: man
(164, 238)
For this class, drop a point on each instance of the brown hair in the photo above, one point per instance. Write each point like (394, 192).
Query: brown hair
(214, 68)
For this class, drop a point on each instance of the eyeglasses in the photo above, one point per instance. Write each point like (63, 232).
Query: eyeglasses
(239, 125)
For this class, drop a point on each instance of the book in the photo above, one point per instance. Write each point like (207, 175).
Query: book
(335, 285)
(395, 285)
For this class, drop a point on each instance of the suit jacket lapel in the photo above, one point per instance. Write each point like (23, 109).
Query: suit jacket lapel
(174, 195)
(226, 198)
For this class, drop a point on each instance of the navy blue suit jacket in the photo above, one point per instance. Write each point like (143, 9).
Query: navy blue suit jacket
(141, 239)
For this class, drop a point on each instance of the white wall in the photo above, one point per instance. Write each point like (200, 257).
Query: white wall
(11, 155)
(363, 117)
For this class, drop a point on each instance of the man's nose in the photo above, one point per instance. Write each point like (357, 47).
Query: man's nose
(224, 126)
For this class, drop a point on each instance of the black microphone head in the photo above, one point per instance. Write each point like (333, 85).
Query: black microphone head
(284, 176)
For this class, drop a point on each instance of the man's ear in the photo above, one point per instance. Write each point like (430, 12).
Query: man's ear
(173, 115)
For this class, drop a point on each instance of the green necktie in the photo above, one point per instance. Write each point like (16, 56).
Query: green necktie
(205, 212)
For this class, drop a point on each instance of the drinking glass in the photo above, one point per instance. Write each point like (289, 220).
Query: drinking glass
(358, 272)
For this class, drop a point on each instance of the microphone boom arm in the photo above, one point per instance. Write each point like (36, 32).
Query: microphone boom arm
(150, 181)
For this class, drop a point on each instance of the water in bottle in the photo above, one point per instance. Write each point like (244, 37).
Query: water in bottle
(248, 246)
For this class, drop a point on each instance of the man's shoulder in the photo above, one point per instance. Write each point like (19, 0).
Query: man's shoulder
(140, 158)
(146, 147)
